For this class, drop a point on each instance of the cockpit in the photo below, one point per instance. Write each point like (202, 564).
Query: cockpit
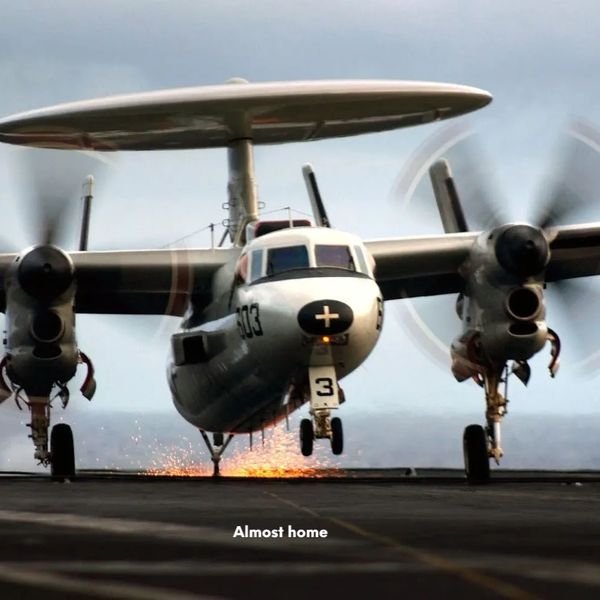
(283, 259)
(303, 248)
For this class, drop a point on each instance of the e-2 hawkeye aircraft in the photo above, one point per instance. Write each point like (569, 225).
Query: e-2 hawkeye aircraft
(281, 316)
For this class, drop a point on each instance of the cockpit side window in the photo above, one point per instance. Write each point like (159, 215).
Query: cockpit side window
(362, 261)
(284, 259)
(334, 256)
(256, 264)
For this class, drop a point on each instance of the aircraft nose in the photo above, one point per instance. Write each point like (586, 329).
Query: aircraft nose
(323, 317)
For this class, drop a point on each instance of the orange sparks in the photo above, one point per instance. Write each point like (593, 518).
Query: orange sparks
(278, 457)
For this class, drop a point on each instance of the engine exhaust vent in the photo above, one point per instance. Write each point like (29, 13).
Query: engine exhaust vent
(523, 304)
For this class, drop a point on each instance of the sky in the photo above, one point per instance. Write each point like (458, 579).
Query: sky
(540, 60)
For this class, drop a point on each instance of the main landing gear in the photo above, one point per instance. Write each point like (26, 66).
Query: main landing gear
(325, 396)
(216, 448)
(479, 443)
(59, 453)
(60, 456)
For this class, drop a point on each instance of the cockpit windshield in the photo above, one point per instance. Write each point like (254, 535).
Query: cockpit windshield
(284, 259)
(334, 256)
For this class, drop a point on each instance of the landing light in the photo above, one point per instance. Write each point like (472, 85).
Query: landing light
(325, 340)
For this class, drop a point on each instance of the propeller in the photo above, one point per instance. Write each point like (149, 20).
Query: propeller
(572, 182)
(568, 189)
(474, 180)
(50, 182)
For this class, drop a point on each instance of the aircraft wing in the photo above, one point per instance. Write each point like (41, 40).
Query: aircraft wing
(575, 252)
(146, 281)
(420, 266)
(429, 265)
(162, 281)
(140, 282)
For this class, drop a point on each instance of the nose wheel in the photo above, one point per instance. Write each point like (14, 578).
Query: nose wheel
(307, 437)
(337, 436)
(325, 396)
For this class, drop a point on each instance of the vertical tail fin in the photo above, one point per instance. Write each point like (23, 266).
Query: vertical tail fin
(446, 196)
(318, 208)
(88, 194)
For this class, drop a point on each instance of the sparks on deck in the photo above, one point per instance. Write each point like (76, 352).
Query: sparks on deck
(278, 458)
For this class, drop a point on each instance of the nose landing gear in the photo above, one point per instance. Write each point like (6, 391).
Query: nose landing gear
(325, 396)
(307, 437)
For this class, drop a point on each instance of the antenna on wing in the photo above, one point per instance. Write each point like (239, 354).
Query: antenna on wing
(88, 194)
(318, 208)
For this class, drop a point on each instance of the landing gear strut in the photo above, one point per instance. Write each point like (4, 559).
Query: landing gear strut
(39, 406)
(480, 444)
(61, 454)
(216, 448)
(496, 409)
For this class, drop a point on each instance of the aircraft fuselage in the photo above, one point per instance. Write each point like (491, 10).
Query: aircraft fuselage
(245, 366)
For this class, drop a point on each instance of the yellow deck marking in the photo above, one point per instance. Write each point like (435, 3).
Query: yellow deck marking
(503, 589)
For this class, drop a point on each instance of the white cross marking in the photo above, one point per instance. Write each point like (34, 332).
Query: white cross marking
(327, 316)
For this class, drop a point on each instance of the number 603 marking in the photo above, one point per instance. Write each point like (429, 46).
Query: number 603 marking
(248, 321)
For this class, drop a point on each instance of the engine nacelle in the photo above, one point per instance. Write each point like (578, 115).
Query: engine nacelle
(512, 322)
(502, 308)
(40, 343)
(504, 325)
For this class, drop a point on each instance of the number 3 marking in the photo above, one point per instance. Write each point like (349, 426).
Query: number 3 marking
(326, 384)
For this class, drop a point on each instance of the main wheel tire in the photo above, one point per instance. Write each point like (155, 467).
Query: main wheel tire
(218, 439)
(475, 449)
(307, 437)
(62, 453)
(337, 436)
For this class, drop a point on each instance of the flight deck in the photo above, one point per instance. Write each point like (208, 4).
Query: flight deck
(389, 533)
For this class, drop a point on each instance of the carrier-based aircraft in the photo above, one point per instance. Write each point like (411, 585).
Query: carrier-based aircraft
(279, 317)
